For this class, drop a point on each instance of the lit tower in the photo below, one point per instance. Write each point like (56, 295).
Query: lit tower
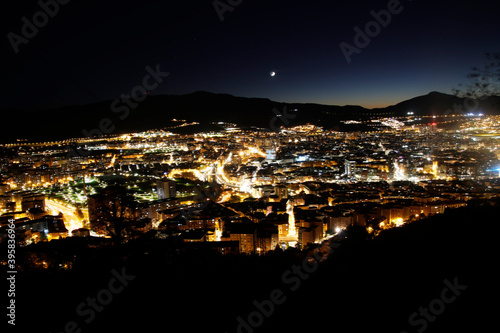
(292, 231)
(291, 238)
(350, 168)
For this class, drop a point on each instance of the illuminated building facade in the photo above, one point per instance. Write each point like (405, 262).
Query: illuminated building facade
(165, 189)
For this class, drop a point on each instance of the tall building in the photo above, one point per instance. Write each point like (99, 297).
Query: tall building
(270, 154)
(33, 201)
(281, 191)
(165, 189)
(252, 237)
(350, 168)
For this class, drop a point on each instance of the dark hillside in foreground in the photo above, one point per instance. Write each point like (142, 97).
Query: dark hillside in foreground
(376, 286)
(365, 285)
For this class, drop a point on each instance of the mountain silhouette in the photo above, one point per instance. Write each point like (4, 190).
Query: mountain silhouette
(208, 109)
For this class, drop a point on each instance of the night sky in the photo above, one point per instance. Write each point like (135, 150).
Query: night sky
(92, 51)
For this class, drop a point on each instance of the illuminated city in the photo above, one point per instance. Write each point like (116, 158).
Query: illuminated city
(240, 191)
(241, 166)
(403, 169)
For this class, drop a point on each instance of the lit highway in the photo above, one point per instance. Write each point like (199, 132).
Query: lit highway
(71, 220)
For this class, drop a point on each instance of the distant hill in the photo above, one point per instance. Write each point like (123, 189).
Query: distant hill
(158, 111)
(436, 103)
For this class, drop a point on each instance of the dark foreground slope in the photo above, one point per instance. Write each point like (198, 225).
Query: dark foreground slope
(377, 286)
(365, 285)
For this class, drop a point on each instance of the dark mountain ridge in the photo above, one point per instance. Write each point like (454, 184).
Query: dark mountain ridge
(157, 112)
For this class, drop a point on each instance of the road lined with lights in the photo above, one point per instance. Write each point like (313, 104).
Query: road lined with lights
(71, 220)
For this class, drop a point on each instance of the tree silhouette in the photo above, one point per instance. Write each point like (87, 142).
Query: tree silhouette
(484, 81)
(113, 208)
